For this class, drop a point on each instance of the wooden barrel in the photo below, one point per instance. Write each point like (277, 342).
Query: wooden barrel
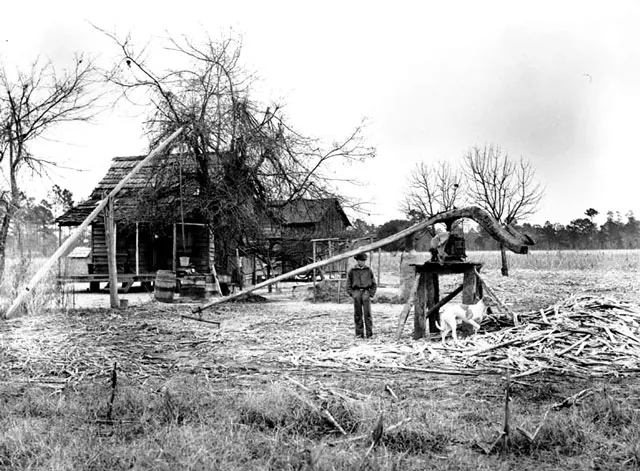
(165, 285)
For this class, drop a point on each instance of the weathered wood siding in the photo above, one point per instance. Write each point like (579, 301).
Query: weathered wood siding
(99, 251)
(197, 246)
(331, 223)
(154, 253)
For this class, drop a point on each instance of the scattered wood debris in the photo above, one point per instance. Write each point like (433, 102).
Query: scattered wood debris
(581, 336)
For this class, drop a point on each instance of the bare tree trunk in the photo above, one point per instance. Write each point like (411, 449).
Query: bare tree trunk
(4, 231)
(505, 264)
(9, 215)
(20, 244)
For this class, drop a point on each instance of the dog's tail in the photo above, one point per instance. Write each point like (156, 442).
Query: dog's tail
(438, 325)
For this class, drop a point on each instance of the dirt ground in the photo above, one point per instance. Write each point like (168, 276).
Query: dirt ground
(289, 331)
(288, 339)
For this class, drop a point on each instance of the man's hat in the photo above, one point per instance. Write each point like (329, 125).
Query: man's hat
(361, 256)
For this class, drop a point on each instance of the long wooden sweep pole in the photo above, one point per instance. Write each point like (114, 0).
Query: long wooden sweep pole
(26, 290)
(512, 241)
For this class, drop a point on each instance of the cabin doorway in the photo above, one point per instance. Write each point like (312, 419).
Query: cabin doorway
(162, 252)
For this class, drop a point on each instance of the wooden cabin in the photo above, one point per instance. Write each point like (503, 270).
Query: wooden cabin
(143, 245)
(308, 219)
(183, 242)
(296, 224)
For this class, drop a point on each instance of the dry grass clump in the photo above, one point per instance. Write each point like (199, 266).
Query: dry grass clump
(536, 392)
(611, 414)
(191, 424)
(583, 428)
(279, 408)
(416, 441)
(563, 434)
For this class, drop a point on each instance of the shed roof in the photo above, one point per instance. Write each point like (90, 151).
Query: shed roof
(310, 211)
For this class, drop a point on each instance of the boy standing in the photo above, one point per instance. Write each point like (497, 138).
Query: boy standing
(361, 286)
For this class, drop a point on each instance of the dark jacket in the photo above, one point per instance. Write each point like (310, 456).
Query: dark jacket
(361, 278)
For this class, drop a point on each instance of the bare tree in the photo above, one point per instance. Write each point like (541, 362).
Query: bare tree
(245, 155)
(503, 187)
(31, 103)
(432, 189)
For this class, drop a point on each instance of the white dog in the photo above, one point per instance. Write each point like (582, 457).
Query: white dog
(453, 314)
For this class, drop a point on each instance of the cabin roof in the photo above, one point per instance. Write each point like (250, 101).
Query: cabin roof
(120, 168)
(297, 212)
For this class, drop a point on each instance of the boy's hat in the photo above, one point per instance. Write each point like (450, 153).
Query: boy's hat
(361, 256)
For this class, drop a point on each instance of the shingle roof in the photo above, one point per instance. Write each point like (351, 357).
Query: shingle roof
(302, 211)
(121, 167)
(307, 211)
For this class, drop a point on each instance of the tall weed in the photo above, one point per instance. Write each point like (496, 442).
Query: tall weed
(48, 293)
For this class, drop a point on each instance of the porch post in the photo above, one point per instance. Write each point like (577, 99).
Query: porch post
(110, 232)
(137, 251)
(313, 273)
(175, 247)
(59, 244)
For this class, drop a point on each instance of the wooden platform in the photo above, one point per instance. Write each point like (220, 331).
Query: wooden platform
(94, 280)
(122, 278)
(428, 291)
(446, 268)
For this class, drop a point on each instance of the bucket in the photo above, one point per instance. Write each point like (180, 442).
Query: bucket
(184, 261)
(165, 286)
(210, 289)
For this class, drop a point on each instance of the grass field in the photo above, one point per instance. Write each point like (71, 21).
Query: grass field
(269, 388)
(564, 259)
(535, 260)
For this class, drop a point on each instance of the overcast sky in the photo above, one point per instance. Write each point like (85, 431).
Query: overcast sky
(557, 83)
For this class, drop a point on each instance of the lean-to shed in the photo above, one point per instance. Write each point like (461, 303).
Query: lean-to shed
(296, 223)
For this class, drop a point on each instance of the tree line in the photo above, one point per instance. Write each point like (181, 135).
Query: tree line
(33, 231)
(617, 232)
(584, 234)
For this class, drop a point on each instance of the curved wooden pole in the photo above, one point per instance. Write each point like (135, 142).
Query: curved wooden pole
(26, 290)
(511, 239)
